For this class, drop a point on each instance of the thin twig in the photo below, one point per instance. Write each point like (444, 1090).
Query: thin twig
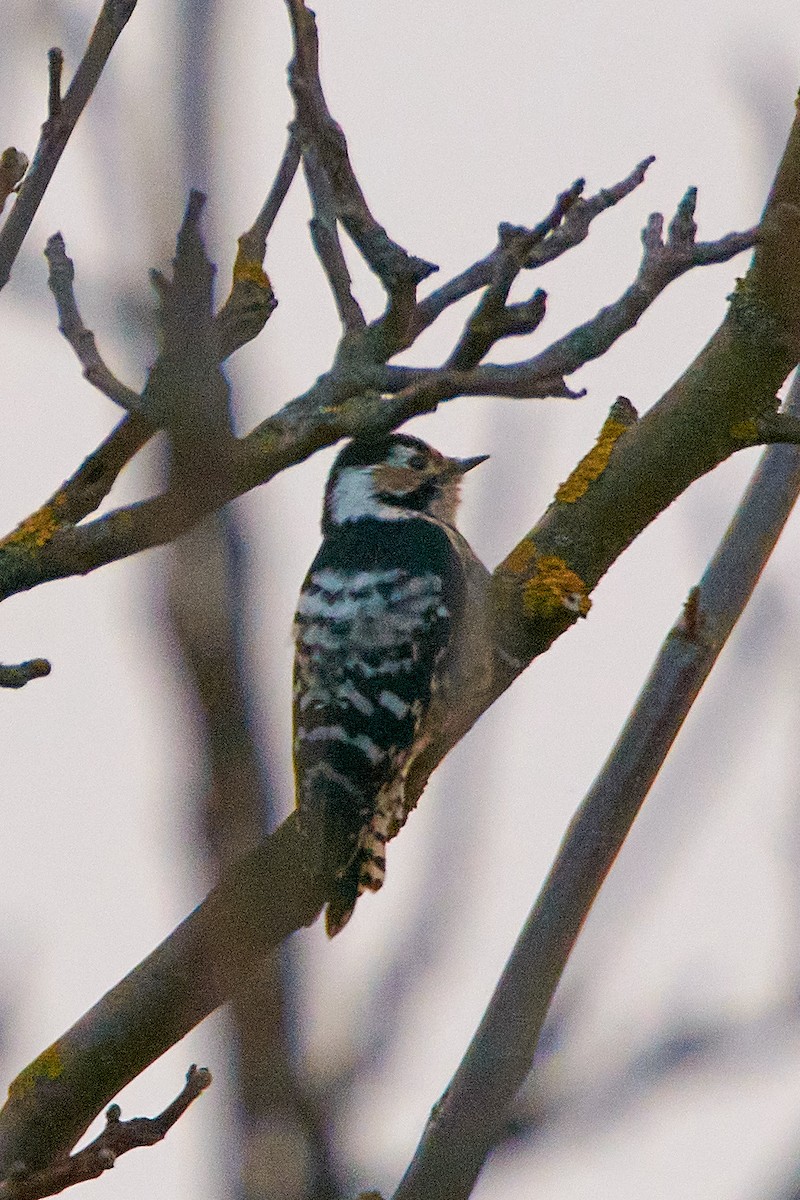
(117, 1138)
(493, 318)
(325, 238)
(56, 131)
(61, 277)
(55, 64)
(254, 241)
(544, 373)
(465, 1123)
(573, 229)
(662, 263)
(251, 301)
(315, 126)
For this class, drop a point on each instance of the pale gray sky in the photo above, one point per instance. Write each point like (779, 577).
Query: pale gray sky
(458, 114)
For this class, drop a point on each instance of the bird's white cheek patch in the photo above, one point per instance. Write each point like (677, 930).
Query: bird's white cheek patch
(354, 497)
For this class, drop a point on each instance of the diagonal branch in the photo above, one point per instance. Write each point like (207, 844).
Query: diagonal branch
(266, 897)
(57, 129)
(467, 1120)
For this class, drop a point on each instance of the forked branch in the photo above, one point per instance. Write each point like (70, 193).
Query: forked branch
(61, 277)
(315, 128)
(361, 393)
(117, 1138)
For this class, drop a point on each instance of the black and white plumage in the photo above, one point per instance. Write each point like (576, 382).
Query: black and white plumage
(388, 632)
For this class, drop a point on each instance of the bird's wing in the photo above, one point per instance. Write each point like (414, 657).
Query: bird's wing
(375, 616)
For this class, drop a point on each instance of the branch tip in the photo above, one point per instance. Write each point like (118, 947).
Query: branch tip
(61, 278)
(20, 674)
(117, 1138)
(194, 207)
(55, 65)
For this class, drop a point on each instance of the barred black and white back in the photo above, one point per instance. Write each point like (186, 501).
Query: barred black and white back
(389, 627)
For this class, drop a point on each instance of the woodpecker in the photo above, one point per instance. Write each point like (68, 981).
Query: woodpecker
(390, 631)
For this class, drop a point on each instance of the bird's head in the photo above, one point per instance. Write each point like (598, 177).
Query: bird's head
(391, 478)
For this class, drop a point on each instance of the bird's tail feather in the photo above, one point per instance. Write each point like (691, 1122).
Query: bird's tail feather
(342, 900)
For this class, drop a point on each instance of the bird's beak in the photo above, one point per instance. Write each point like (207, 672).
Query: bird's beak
(462, 465)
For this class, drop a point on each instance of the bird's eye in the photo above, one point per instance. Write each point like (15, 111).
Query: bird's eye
(417, 461)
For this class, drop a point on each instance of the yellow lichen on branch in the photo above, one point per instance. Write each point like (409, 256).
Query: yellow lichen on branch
(553, 588)
(520, 560)
(746, 431)
(249, 270)
(534, 598)
(47, 1066)
(592, 465)
(37, 529)
(545, 583)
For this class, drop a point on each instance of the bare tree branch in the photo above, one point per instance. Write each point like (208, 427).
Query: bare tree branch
(493, 318)
(325, 238)
(465, 1123)
(55, 64)
(94, 478)
(358, 395)
(117, 1138)
(57, 129)
(61, 277)
(574, 228)
(255, 239)
(251, 301)
(255, 906)
(397, 270)
(662, 262)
